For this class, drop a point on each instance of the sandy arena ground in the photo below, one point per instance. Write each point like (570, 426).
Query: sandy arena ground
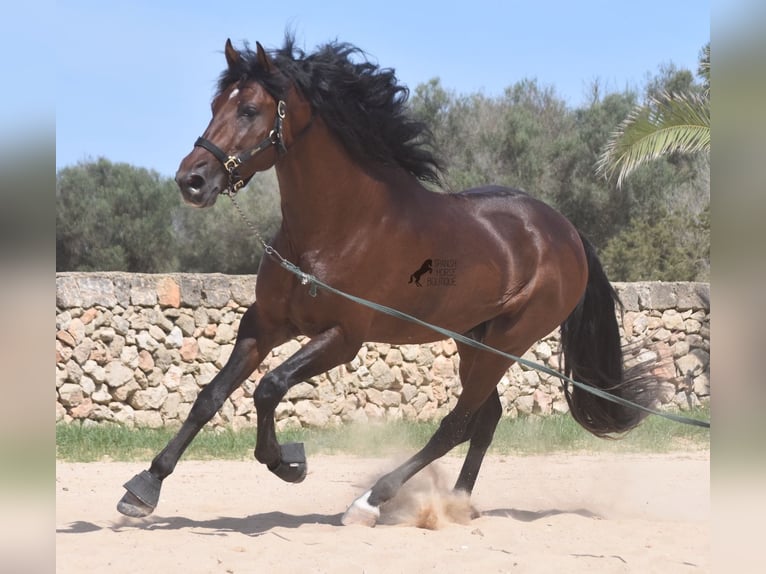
(562, 513)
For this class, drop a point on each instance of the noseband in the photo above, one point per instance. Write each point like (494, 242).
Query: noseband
(232, 163)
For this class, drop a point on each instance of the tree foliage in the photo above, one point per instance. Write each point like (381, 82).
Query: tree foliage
(652, 225)
(528, 138)
(114, 217)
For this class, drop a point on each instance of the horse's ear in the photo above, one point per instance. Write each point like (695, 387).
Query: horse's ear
(263, 57)
(232, 56)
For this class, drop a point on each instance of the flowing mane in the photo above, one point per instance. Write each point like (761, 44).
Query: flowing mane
(361, 103)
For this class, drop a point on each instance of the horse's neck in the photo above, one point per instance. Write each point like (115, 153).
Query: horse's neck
(323, 190)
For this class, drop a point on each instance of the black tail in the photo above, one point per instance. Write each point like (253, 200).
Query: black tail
(593, 354)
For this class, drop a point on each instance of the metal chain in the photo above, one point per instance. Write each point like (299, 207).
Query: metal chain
(305, 278)
(249, 223)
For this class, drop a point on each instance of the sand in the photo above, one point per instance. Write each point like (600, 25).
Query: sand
(561, 513)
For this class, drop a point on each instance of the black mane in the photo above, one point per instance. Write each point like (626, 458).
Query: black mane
(360, 102)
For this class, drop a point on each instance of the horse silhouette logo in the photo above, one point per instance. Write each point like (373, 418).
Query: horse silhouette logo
(427, 267)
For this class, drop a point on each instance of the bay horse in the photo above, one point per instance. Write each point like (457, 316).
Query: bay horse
(356, 173)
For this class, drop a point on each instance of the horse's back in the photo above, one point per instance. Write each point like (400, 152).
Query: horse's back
(505, 200)
(514, 211)
(492, 191)
(543, 249)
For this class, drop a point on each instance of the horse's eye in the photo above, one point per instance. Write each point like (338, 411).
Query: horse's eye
(248, 112)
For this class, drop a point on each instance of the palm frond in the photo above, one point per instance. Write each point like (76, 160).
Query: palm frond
(666, 124)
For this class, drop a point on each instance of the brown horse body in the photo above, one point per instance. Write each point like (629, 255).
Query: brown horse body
(368, 237)
(507, 270)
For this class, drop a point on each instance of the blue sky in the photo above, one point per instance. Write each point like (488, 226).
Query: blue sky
(135, 78)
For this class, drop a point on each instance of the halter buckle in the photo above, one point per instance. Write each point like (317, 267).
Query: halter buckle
(231, 163)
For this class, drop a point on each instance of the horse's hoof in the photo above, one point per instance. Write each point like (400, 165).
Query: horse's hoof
(130, 505)
(142, 496)
(292, 465)
(361, 512)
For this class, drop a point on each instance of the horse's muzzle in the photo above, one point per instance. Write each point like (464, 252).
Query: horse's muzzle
(196, 188)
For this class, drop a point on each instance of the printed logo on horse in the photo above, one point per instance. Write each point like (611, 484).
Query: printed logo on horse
(442, 273)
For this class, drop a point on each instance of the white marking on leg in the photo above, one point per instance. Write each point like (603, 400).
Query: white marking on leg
(363, 503)
(361, 512)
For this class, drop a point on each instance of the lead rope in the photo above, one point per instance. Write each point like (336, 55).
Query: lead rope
(313, 282)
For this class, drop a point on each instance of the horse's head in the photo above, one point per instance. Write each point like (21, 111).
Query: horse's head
(245, 135)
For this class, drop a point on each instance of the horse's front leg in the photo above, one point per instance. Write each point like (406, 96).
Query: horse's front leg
(254, 342)
(321, 353)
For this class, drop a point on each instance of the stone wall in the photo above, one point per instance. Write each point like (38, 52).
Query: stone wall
(135, 349)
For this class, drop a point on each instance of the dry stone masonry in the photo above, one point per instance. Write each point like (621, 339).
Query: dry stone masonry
(135, 349)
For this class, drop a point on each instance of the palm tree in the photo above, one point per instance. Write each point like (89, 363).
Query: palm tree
(665, 124)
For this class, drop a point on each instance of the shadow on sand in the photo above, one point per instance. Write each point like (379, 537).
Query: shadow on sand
(258, 524)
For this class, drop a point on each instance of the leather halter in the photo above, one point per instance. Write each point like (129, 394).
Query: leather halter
(232, 163)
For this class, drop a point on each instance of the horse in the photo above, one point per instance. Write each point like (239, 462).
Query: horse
(358, 180)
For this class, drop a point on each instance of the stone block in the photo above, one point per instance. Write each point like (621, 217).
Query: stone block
(525, 404)
(189, 349)
(243, 289)
(382, 375)
(443, 368)
(695, 362)
(215, 290)
(693, 296)
(142, 291)
(312, 414)
(168, 292)
(148, 419)
(148, 399)
(70, 394)
(117, 374)
(302, 391)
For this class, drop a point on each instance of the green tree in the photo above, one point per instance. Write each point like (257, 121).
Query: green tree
(114, 217)
(538, 139)
(515, 140)
(668, 122)
(667, 248)
(529, 139)
(586, 199)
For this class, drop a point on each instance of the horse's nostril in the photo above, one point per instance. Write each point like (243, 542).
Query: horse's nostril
(195, 181)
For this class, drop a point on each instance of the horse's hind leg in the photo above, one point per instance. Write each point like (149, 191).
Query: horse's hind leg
(479, 368)
(478, 400)
(252, 345)
(483, 430)
(453, 430)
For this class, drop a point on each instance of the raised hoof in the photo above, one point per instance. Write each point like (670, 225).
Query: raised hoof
(361, 512)
(292, 466)
(130, 505)
(142, 496)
